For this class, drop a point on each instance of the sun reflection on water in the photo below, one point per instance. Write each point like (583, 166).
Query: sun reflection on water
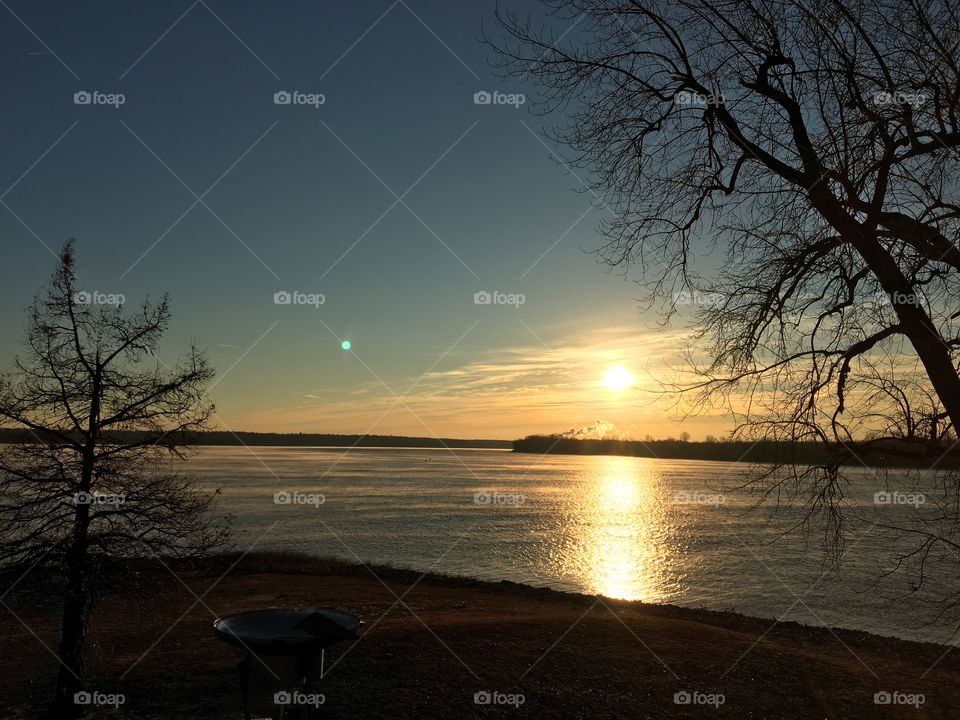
(625, 545)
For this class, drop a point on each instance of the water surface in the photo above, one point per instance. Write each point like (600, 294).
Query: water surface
(632, 528)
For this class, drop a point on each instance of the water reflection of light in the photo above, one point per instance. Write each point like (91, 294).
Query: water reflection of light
(625, 543)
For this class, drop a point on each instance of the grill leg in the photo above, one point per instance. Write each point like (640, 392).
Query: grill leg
(308, 666)
(243, 670)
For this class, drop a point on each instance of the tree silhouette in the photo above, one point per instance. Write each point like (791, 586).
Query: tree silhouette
(787, 170)
(83, 491)
(813, 144)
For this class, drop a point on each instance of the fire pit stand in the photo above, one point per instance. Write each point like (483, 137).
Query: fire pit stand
(301, 635)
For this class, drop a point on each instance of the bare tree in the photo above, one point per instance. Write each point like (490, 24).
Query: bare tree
(812, 142)
(104, 415)
(787, 169)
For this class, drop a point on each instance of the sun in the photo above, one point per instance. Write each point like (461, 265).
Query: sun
(617, 378)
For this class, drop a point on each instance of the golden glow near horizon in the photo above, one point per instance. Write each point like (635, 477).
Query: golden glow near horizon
(590, 374)
(617, 378)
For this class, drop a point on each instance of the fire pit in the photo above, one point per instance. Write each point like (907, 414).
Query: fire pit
(301, 634)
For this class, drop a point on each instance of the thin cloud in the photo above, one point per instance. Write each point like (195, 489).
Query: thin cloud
(506, 391)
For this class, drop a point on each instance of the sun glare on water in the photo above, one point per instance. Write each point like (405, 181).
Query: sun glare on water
(617, 378)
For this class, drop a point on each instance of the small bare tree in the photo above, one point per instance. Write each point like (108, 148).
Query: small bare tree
(104, 414)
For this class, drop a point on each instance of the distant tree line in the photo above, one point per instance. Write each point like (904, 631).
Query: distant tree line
(881, 454)
(218, 437)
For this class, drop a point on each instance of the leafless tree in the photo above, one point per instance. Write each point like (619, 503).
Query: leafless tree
(787, 168)
(814, 143)
(107, 418)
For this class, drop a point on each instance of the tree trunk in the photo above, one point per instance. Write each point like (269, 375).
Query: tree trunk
(73, 632)
(917, 326)
(76, 605)
(936, 359)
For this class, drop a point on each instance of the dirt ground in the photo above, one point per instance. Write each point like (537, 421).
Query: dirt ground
(448, 642)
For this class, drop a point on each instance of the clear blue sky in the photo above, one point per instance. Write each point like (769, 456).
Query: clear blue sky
(294, 208)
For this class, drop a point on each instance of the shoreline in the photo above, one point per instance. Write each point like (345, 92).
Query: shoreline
(449, 637)
(303, 563)
(879, 455)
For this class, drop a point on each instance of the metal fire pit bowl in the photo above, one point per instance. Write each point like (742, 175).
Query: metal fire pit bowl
(289, 633)
(302, 634)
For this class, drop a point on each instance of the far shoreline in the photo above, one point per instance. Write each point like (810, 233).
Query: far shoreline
(885, 453)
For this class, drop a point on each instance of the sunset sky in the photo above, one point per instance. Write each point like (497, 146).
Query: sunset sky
(398, 199)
